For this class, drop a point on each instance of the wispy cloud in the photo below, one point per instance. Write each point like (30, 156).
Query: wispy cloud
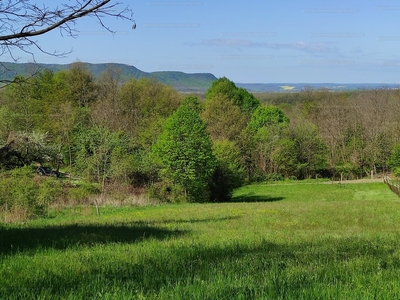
(358, 52)
(301, 46)
(312, 47)
(227, 42)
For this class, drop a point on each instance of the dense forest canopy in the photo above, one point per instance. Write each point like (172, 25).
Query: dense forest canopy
(148, 138)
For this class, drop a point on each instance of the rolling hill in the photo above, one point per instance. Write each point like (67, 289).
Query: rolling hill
(183, 82)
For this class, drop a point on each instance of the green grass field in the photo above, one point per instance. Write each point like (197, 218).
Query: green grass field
(286, 241)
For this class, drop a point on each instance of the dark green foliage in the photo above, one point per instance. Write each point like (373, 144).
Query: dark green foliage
(222, 86)
(274, 177)
(272, 149)
(229, 173)
(284, 157)
(394, 160)
(311, 151)
(266, 116)
(246, 101)
(191, 102)
(167, 191)
(184, 151)
(239, 96)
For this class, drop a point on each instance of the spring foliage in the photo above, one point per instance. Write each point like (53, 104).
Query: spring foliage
(184, 151)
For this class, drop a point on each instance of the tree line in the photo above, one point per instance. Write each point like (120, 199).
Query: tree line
(151, 139)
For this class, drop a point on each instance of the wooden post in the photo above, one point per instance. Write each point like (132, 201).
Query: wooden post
(96, 203)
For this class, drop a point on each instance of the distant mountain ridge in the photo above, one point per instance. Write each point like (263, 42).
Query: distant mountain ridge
(183, 82)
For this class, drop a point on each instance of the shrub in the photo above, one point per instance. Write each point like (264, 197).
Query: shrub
(19, 194)
(396, 171)
(229, 173)
(166, 191)
(82, 192)
(394, 160)
(275, 177)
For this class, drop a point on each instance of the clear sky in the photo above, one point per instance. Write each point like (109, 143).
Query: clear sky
(265, 41)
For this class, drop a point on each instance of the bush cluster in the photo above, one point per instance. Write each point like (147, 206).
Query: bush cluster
(25, 195)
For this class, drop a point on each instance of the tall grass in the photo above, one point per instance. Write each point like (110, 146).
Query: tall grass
(300, 241)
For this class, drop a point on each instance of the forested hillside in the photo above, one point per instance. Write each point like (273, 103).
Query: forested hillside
(183, 82)
(118, 139)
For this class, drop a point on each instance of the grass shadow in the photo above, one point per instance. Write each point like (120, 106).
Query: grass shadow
(252, 197)
(194, 221)
(16, 240)
(269, 263)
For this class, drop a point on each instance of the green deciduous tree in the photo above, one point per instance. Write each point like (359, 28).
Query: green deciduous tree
(94, 152)
(107, 109)
(266, 116)
(224, 119)
(310, 149)
(239, 96)
(144, 106)
(394, 160)
(184, 151)
(80, 84)
(229, 173)
(272, 151)
(26, 111)
(7, 117)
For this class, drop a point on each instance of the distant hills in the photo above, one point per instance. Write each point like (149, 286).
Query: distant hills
(184, 82)
(297, 87)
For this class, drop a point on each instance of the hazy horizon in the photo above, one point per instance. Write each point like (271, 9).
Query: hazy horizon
(254, 41)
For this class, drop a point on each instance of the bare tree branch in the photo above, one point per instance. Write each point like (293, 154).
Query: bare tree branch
(21, 21)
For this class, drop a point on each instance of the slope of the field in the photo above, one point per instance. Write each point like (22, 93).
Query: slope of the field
(297, 241)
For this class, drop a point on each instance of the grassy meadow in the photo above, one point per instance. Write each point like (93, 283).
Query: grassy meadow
(284, 241)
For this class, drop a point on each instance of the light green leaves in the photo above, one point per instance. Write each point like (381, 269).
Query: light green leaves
(184, 151)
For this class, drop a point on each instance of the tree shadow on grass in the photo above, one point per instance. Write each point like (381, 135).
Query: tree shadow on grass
(206, 220)
(188, 266)
(16, 240)
(252, 197)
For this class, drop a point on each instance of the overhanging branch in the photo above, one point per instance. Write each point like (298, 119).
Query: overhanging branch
(21, 21)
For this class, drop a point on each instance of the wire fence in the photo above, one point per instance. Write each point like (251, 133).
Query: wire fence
(394, 184)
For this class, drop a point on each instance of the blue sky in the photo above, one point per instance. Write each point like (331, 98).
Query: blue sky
(287, 41)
